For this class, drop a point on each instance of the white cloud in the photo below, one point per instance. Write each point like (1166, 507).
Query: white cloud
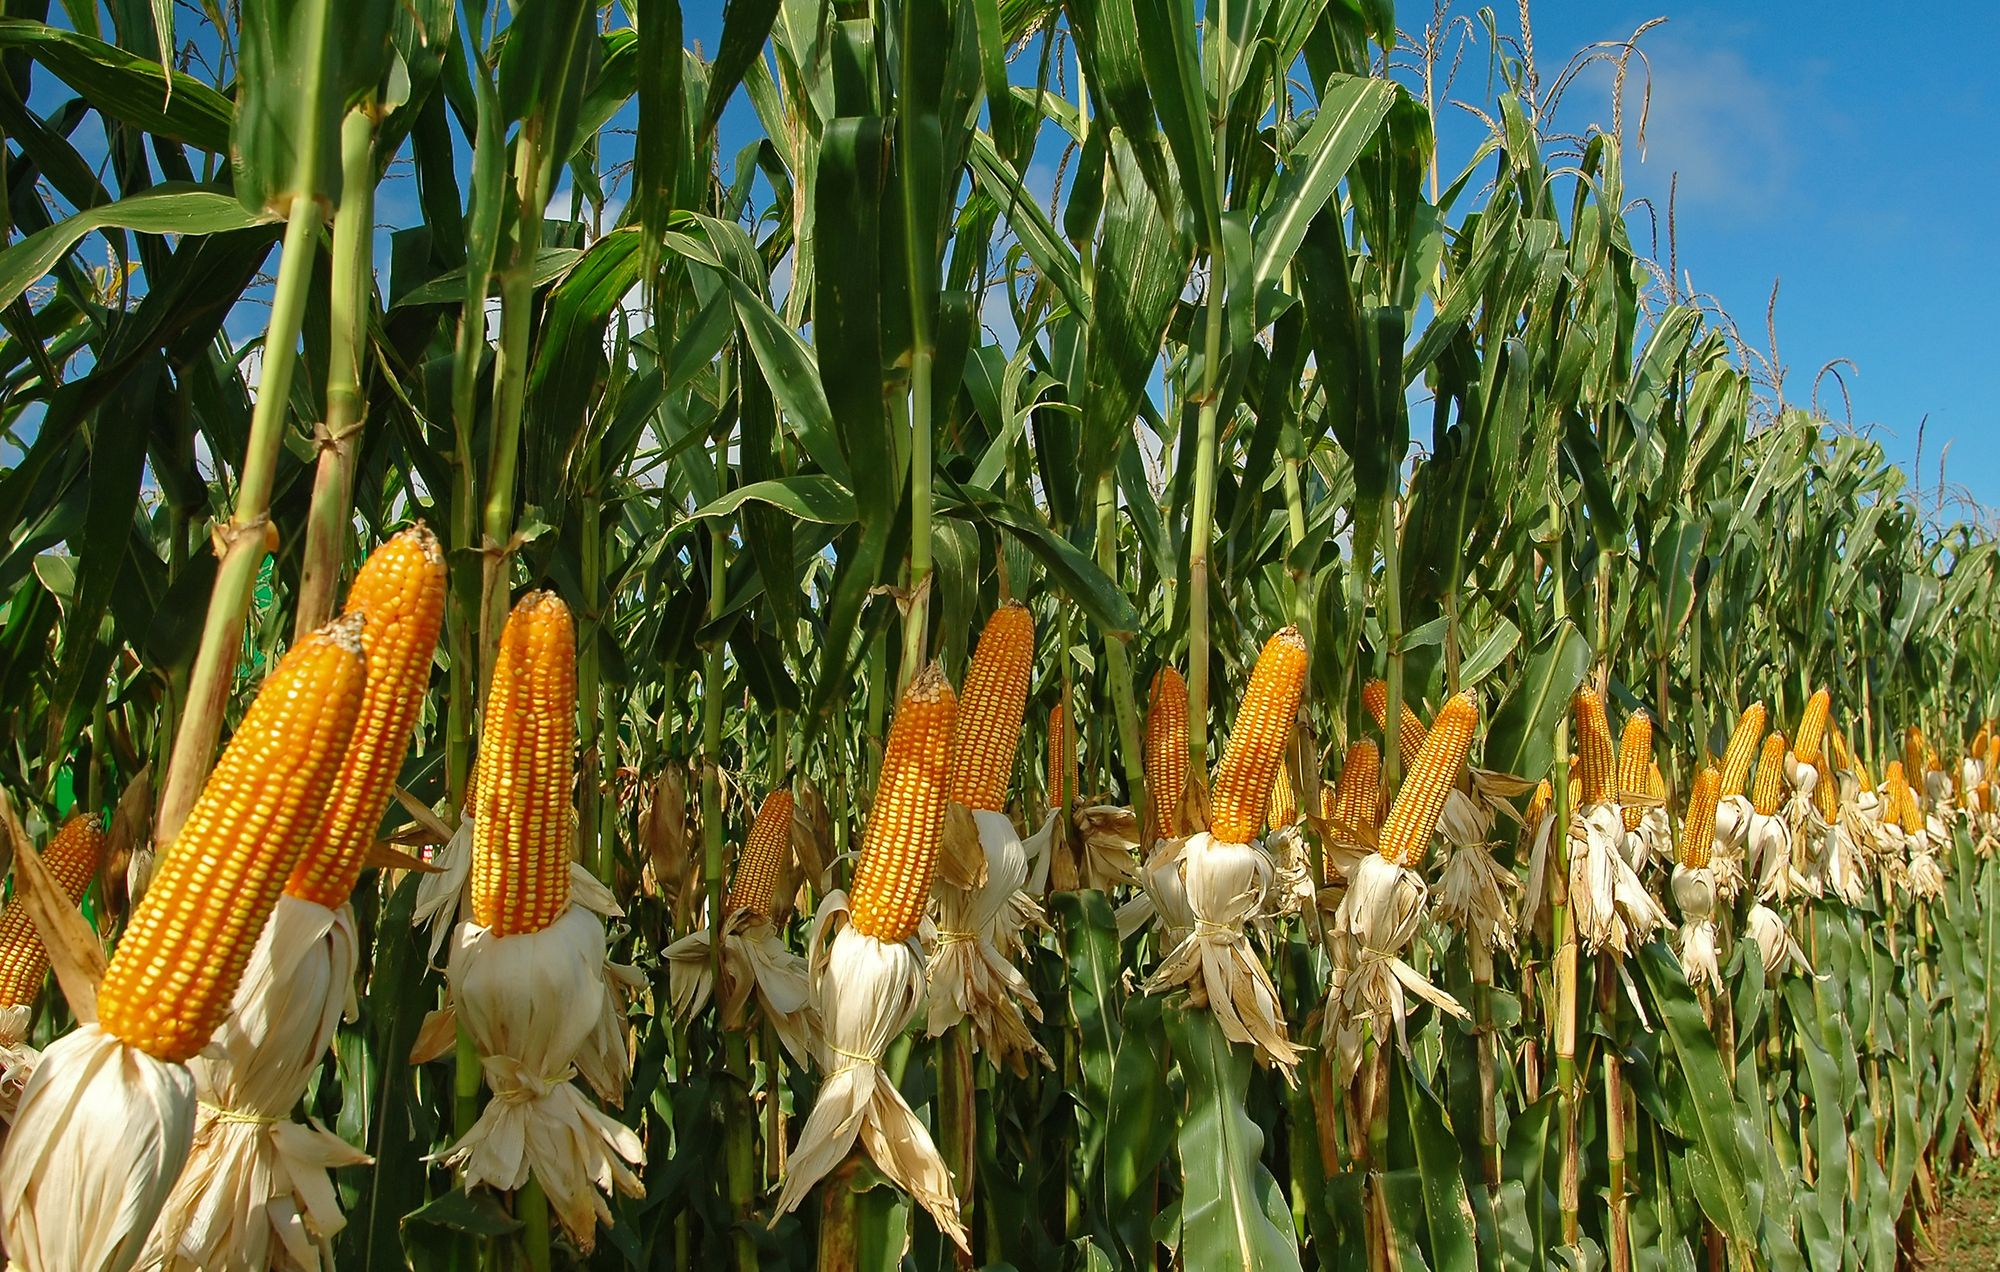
(1721, 127)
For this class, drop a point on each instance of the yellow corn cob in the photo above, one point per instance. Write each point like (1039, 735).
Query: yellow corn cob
(1635, 763)
(1062, 758)
(1770, 786)
(990, 709)
(170, 983)
(1836, 750)
(72, 858)
(1357, 798)
(1993, 752)
(757, 868)
(1698, 831)
(522, 815)
(1375, 697)
(1598, 771)
(1812, 728)
(1283, 808)
(1538, 806)
(1826, 798)
(1979, 743)
(892, 881)
(399, 593)
(1256, 745)
(1913, 754)
(1166, 748)
(1742, 750)
(1406, 835)
(1901, 799)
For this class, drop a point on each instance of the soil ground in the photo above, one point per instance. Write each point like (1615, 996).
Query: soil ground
(1968, 1232)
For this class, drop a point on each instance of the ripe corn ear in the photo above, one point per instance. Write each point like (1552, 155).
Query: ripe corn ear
(1597, 766)
(763, 855)
(1635, 763)
(990, 710)
(1062, 758)
(1257, 742)
(522, 814)
(72, 859)
(1283, 808)
(1812, 728)
(1770, 787)
(1375, 697)
(1698, 831)
(1913, 754)
(1742, 750)
(1406, 835)
(171, 981)
(1357, 799)
(892, 881)
(1166, 748)
(399, 592)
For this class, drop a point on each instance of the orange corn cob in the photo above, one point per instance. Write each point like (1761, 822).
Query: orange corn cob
(757, 868)
(1902, 800)
(1283, 808)
(1812, 728)
(1698, 831)
(1913, 755)
(1635, 763)
(1406, 835)
(892, 881)
(399, 593)
(170, 983)
(72, 858)
(1538, 805)
(1826, 798)
(990, 710)
(1598, 771)
(1770, 787)
(1166, 748)
(1375, 697)
(1257, 744)
(1357, 799)
(522, 815)
(1062, 758)
(1742, 750)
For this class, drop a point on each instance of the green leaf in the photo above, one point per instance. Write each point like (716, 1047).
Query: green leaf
(1102, 600)
(126, 87)
(1490, 653)
(1228, 1198)
(300, 63)
(1349, 113)
(551, 264)
(746, 24)
(168, 208)
(1031, 225)
(1522, 738)
(812, 497)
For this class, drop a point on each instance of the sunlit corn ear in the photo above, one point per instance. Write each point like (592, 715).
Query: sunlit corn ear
(1166, 751)
(72, 858)
(1257, 741)
(1914, 748)
(1406, 835)
(1282, 809)
(170, 983)
(1375, 697)
(987, 729)
(1635, 762)
(1806, 743)
(1597, 763)
(1741, 753)
(1770, 787)
(1062, 771)
(523, 823)
(892, 880)
(399, 595)
(1698, 830)
(1357, 798)
(763, 854)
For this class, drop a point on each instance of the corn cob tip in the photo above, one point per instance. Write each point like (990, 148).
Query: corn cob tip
(1597, 761)
(988, 729)
(1406, 835)
(1698, 830)
(763, 855)
(892, 880)
(1264, 721)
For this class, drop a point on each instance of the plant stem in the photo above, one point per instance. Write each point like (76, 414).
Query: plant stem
(1389, 602)
(533, 1205)
(1117, 661)
(958, 1121)
(249, 533)
(350, 303)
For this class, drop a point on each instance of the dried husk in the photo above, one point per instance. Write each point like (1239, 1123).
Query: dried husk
(1472, 893)
(255, 1192)
(1378, 918)
(1694, 894)
(1226, 885)
(864, 992)
(970, 974)
(754, 959)
(1613, 910)
(101, 1134)
(532, 1002)
(1162, 900)
(1780, 951)
(1110, 834)
(1726, 851)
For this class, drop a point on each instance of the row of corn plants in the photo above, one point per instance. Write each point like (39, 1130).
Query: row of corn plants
(618, 739)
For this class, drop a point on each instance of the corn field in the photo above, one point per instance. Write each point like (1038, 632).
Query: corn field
(600, 735)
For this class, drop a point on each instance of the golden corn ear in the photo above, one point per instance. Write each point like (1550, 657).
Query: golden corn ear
(763, 854)
(1812, 728)
(1283, 808)
(522, 814)
(1635, 763)
(1538, 806)
(1062, 758)
(1901, 799)
(1166, 748)
(72, 858)
(171, 982)
(1375, 697)
(1770, 787)
(990, 709)
(1913, 754)
(399, 594)
(1593, 743)
(1826, 798)
(1357, 796)
(1406, 835)
(892, 881)
(1257, 744)
(1698, 831)
(1742, 750)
